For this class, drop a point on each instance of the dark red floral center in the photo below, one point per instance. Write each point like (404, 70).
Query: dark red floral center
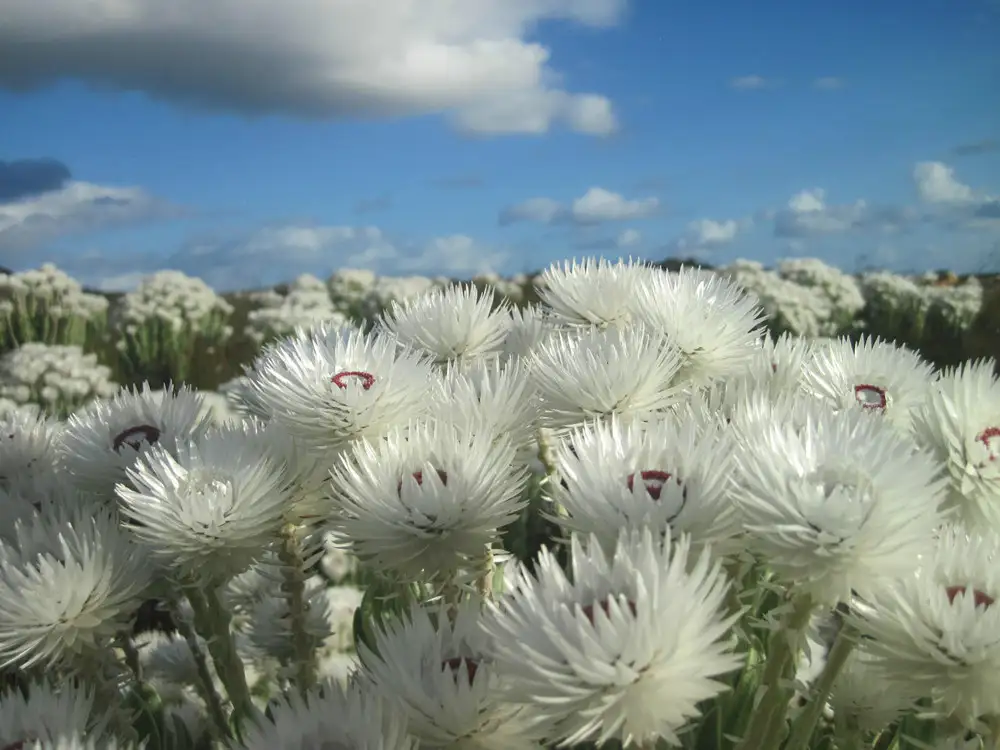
(341, 379)
(456, 664)
(870, 397)
(418, 477)
(18, 744)
(134, 437)
(774, 367)
(604, 606)
(987, 438)
(654, 480)
(980, 598)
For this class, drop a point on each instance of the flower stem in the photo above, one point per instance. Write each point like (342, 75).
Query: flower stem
(294, 589)
(213, 621)
(484, 582)
(205, 685)
(805, 724)
(767, 720)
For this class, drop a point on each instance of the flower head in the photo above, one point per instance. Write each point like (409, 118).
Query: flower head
(329, 386)
(437, 665)
(595, 293)
(210, 510)
(625, 650)
(101, 441)
(834, 502)
(48, 714)
(428, 497)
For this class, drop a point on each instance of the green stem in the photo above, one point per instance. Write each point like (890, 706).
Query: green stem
(805, 724)
(782, 651)
(294, 589)
(484, 582)
(885, 738)
(213, 622)
(204, 685)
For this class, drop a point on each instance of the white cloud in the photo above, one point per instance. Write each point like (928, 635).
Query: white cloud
(316, 58)
(807, 214)
(936, 183)
(596, 206)
(704, 235)
(829, 83)
(749, 83)
(275, 254)
(629, 238)
(75, 208)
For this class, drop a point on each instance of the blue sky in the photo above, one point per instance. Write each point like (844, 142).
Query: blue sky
(249, 142)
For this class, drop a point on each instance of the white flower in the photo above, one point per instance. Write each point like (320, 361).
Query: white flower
(712, 321)
(427, 497)
(670, 473)
(458, 324)
(338, 717)
(329, 386)
(593, 292)
(68, 585)
(48, 714)
(935, 631)
(529, 326)
(28, 454)
(872, 375)
(960, 424)
(595, 373)
(863, 694)
(626, 650)
(209, 511)
(834, 501)
(436, 665)
(100, 442)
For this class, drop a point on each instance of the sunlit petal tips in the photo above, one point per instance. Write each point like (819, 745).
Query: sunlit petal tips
(591, 292)
(48, 715)
(626, 650)
(329, 386)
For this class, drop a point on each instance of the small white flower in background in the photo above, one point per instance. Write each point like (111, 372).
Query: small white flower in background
(58, 378)
(330, 386)
(427, 498)
(592, 374)
(49, 715)
(492, 397)
(101, 441)
(459, 324)
(167, 662)
(27, 450)
(625, 650)
(874, 376)
(834, 502)
(209, 509)
(307, 303)
(670, 473)
(592, 292)
(960, 424)
(437, 665)
(862, 695)
(69, 584)
(710, 320)
(337, 564)
(182, 302)
(840, 289)
(935, 631)
(338, 717)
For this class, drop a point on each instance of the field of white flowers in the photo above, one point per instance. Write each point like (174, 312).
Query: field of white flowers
(609, 505)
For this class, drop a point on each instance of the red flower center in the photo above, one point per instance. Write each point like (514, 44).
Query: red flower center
(654, 480)
(341, 378)
(605, 606)
(418, 477)
(979, 598)
(18, 744)
(134, 437)
(870, 397)
(990, 438)
(456, 664)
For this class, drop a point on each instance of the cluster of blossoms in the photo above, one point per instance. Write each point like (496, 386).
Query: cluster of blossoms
(892, 298)
(362, 295)
(59, 379)
(306, 302)
(48, 306)
(624, 515)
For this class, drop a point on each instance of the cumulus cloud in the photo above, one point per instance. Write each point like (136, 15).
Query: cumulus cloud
(75, 208)
(24, 178)
(316, 58)
(628, 238)
(938, 185)
(271, 255)
(596, 206)
(705, 235)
